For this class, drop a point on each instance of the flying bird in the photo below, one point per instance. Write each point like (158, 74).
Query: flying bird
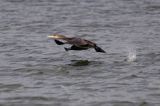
(77, 43)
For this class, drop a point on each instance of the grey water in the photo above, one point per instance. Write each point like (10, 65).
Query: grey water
(34, 71)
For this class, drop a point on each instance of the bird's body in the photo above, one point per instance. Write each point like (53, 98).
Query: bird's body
(77, 43)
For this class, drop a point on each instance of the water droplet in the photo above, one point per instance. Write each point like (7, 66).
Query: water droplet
(131, 57)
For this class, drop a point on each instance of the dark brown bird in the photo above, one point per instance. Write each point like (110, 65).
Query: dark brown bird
(77, 43)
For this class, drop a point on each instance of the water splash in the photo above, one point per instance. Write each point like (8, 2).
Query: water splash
(131, 55)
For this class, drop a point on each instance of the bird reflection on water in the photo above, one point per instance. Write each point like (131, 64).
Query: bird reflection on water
(80, 62)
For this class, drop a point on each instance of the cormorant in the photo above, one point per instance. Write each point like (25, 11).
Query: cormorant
(77, 43)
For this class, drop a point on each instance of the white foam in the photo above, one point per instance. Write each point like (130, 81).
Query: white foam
(131, 56)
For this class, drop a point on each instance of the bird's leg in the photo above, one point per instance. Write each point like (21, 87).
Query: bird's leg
(67, 49)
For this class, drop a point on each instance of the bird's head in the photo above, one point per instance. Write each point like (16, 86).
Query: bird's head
(56, 36)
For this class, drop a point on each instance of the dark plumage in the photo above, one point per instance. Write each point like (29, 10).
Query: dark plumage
(77, 43)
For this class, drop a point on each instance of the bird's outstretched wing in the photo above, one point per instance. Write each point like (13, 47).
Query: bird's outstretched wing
(59, 42)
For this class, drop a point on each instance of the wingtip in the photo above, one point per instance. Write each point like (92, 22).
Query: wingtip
(98, 49)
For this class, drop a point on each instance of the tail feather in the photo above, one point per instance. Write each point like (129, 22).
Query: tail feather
(59, 42)
(98, 49)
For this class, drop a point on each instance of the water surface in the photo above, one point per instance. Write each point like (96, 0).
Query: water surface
(36, 71)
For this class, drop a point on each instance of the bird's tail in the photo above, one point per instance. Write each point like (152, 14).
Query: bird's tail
(59, 42)
(98, 49)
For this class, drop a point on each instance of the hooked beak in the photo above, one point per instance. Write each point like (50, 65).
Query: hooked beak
(51, 36)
